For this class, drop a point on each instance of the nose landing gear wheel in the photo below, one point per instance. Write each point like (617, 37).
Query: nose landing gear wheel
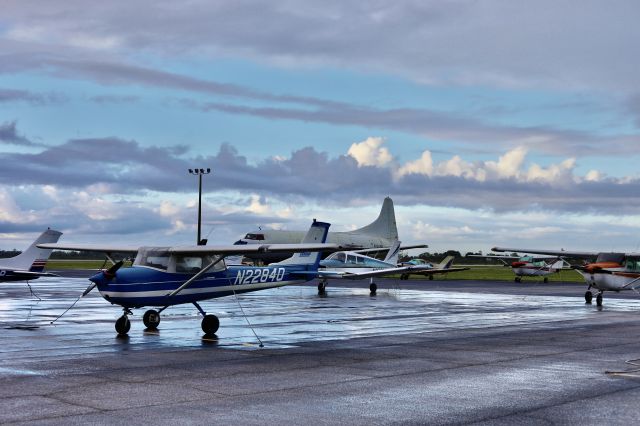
(210, 324)
(545, 280)
(431, 277)
(517, 279)
(123, 325)
(373, 288)
(599, 299)
(588, 296)
(151, 319)
(321, 288)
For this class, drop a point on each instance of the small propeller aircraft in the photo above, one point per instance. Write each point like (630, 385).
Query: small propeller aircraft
(529, 266)
(443, 267)
(29, 265)
(609, 272)
(353, 265)
(167, 276)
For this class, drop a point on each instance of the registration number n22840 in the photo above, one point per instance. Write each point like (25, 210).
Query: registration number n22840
(260, 275)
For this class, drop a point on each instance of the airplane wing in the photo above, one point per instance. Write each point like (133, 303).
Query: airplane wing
(497, 257)
(559, 253)
(214, 249)
(371, 250)
(91, 247)
(255, 248)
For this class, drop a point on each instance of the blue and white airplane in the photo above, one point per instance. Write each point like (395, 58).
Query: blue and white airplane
(166, 276)
(29, 265)
(353, 265)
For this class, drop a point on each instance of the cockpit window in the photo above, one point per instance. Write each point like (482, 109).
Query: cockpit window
(192, 263)
(257, 237)
(153, 257)
(611, 257)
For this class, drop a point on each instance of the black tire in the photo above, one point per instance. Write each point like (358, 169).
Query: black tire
(373, 288)
(123, 325)
(599, 299)
(321, 287)
(151, 319)
(210, 324)
(545, 280)
(517, 279)
(588, 297)
(403, 277)
(431, 277)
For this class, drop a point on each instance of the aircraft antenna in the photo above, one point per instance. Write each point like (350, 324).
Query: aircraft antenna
(245, 317)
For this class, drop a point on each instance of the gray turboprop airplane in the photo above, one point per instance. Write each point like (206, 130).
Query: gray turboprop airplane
(381, 233)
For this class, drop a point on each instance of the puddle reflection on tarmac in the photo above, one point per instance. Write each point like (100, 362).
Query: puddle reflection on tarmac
(281, 317)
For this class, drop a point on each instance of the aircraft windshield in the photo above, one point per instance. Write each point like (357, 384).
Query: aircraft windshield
(153, 257)
(192, 263)
(611, 257)
(633, 264)
(258, 237)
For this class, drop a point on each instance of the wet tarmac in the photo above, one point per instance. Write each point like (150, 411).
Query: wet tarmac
(435, 352)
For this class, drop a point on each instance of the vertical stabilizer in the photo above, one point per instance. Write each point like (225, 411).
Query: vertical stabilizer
(317, 234)
(33, 259)
(394, 252)
(446, 262)
(385, 225)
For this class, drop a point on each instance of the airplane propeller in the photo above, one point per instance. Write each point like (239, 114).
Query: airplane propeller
(104, 276)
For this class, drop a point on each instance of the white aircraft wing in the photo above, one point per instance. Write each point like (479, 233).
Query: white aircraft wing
(255, 248)
(371, 250)
(213, 249)
(496, 257)
(559, 253)
(31, 273)
(91, 247)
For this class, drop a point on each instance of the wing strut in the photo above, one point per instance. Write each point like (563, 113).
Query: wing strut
(196, 276)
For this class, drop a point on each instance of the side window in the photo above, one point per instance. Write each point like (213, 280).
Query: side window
(340, 257)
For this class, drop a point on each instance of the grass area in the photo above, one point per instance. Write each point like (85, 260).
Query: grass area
(501, 273)
(487, 273)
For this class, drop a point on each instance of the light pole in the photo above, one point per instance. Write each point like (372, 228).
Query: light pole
(200, 172)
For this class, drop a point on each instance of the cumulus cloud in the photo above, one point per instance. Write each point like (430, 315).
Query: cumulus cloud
(370, 152)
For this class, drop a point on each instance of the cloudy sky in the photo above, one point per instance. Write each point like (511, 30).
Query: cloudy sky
(492, 122)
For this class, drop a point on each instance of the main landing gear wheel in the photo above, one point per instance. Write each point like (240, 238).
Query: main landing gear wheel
(210, 324)
(373, 288)
(151, 319)
(123, 325)
(431, 277)
(517, 279)
(321, 288)
(588, 296)
(404, 277)
(545, 280)
(599, 299)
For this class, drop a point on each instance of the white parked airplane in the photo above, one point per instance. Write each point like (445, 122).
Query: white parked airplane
(29, 264)
(381, 233)
(353, 265)
(609, 272)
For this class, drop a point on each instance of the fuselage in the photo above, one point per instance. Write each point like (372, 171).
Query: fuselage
(353, 262)
(527, 266)
(612, 272)
(139, 286)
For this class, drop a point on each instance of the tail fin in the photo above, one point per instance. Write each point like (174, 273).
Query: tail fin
(446, 262)
(385, 225)
(394, 252)
(34, 259)
(317, 233)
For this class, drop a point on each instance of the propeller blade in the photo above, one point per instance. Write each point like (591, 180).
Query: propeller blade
(113, 269)
(88, 290)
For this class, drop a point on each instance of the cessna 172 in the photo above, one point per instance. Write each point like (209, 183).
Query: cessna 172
(609, 272)
(29, 264)
(167, 276)
(353, 265)
(381, 233)
(529, 266)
